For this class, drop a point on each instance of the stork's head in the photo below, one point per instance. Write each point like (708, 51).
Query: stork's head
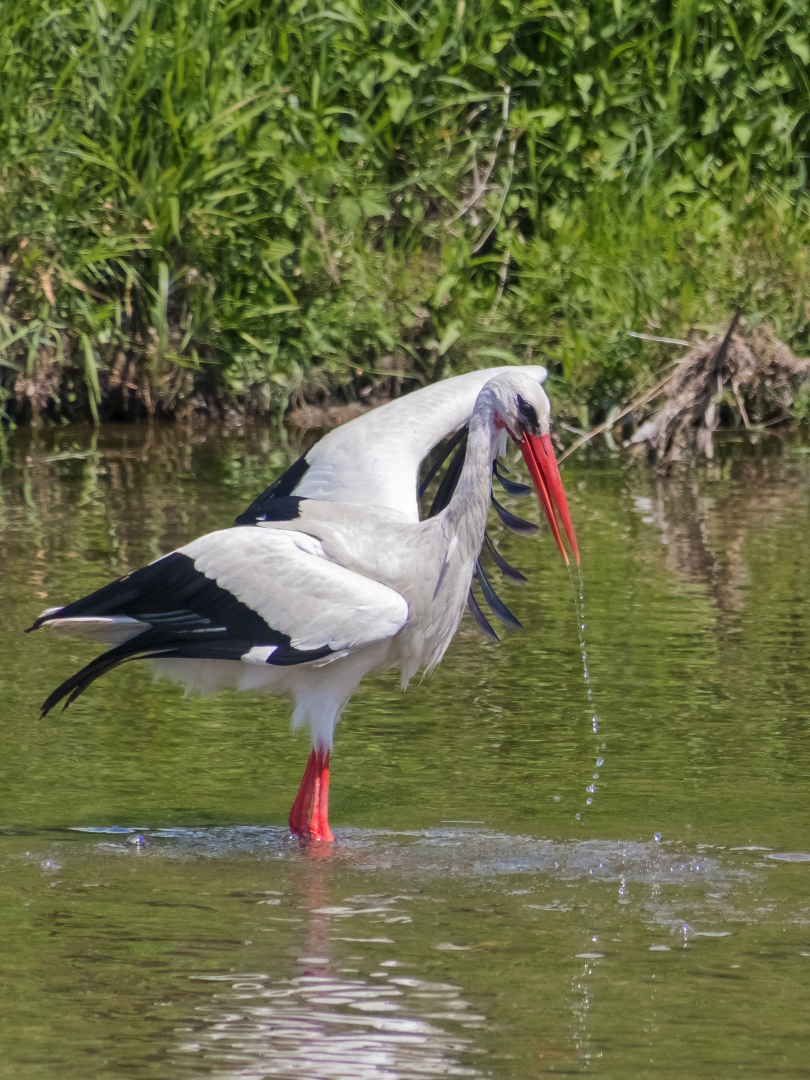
(519, 406)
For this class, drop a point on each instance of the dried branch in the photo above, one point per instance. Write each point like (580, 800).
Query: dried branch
(634, 404)
(320, 226)
(480, 185)
(507, 255)
(504, 193)
(663, 340)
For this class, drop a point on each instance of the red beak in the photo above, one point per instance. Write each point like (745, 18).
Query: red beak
(538, 454)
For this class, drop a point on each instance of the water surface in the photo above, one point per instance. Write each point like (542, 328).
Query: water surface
(478, 916)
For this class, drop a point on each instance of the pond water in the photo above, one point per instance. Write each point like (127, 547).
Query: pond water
(493, 907)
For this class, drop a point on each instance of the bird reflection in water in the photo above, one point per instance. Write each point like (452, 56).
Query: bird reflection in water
(324, 1023)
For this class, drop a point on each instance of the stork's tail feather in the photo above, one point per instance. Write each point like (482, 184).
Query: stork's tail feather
(80, 680)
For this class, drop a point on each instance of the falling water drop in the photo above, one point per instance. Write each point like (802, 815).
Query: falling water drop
(579, 604)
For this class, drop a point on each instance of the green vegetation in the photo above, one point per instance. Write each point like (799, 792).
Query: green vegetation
(233, 198)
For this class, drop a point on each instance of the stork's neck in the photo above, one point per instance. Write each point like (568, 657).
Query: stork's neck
(467, 510)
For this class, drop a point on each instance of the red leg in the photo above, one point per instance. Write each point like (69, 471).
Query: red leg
(300, 813)
(309, 817)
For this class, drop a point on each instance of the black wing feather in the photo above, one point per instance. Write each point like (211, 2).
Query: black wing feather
(442, 453)
(516, 524)
(497, 606)
(480, 618)
(444, 494)
(451, 478)
(262, 509)
(189, 617)
(511, 487)
(501, 563)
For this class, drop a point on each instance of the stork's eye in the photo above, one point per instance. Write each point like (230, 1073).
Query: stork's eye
(527, 414)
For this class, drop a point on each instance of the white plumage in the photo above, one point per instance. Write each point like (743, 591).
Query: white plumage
(374, 460)
(315, 601)
(330, 575)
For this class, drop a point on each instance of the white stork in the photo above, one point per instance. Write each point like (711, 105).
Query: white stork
(330, 575)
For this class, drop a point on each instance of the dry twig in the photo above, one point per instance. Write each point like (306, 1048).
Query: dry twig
(634, 404)
(480, 185)
(320, 226)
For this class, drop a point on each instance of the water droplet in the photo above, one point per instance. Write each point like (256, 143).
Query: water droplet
(600, 761)
(556, 798)
(137, 840)
(577, 816)
(591, 788)
(657, 837)
(582, 625)
(588, 801)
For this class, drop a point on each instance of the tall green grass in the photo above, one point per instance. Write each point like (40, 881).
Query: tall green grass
(266, 193)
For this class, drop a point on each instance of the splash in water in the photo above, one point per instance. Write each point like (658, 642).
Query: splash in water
(579, 605)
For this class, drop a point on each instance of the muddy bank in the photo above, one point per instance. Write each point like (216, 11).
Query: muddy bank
(744, 378)
(50, 392)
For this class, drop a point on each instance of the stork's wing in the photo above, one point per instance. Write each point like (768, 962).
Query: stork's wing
(288, 580)
(255, 595)
(374, 459)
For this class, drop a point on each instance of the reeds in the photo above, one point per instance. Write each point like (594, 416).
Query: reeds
(262, 193)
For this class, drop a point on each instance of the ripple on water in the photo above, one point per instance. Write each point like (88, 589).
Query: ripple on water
(325, 1027)
(465, 852)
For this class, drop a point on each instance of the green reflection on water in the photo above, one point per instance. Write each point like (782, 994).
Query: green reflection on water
(697, 612)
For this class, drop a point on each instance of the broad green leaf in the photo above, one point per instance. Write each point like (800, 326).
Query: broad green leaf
(391, 65)
(743, 134)
(574, 138)
(374, 204)
(498, 354)
(797, 43)
(91, 376)
(350, 135)
(351, 212)
(450, 336)
(399, 101)
(550, 117)
(444, 288)
(278, 249)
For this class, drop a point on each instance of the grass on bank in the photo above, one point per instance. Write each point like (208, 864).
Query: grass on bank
(227, 199)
